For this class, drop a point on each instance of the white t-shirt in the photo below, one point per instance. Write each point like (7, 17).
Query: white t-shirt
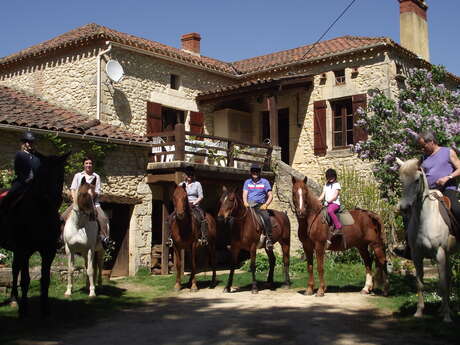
(329, 190)
(78, 177)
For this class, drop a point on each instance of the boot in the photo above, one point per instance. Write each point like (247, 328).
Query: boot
(204, 233)
(403, 252)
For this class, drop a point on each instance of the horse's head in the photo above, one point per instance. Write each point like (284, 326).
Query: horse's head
(85, 196)
(180, 200)
(300, 196)
(50, 178)
(228, 204)
(413, 182)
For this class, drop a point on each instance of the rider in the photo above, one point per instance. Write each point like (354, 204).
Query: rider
(441, 166)
(257, 194)
(27, 161)
(195, 196)
(331, 198)
(89, 175)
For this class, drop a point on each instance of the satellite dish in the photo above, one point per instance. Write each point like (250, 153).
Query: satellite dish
(114, 71)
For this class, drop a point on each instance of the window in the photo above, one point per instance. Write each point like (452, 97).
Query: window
(339, 77)
(342, 123)
(174, 82)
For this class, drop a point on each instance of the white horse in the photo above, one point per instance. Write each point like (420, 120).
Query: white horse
(427, 232)
(81, 237)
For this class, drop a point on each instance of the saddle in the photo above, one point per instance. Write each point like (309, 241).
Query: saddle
(343, 214)
(260, 221)
(446, 213)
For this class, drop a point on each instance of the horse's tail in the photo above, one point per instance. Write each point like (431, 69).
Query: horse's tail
(381, 275)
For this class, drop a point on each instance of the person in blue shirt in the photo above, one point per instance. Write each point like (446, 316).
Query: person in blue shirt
(257, 194)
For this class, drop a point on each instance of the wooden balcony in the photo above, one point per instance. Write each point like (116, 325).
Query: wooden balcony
(173, 150)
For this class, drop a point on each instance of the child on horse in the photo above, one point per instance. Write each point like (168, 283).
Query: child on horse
(257, 194)
(330, 197)
(195, 196)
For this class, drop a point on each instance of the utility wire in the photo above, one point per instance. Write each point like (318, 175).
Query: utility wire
(329, 28)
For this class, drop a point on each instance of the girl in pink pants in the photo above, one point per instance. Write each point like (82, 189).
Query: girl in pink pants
(331, 197)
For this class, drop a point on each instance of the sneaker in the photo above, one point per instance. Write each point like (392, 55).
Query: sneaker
(203, 241)
(403, 252)
(169, 242)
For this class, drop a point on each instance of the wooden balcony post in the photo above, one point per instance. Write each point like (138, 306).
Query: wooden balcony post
(273, 120)
(179, 142)
(230, 154)
(268, 159)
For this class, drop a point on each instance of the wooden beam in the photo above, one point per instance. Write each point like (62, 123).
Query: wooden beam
(164, 238)
(273, 120)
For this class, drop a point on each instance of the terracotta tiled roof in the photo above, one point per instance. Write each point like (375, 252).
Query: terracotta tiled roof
(334, 46)
(254, 84)
(93, 31)
(20, 109)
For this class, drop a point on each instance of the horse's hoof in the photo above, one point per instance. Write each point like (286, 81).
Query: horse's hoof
(226, 290)
(193, 289)
(319, 294)
(447, 319)
(92, 296)
(254, 291)
(309, 292)
(286, 286)
(418, 314)
(176, 288)
(13, 304)
(364, 292)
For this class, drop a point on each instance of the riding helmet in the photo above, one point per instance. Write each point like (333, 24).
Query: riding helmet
(28, 137)
(189, 171)
(255, 167)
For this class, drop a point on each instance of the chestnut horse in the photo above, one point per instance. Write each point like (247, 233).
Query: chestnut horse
(245, 234)
(185, 232)
(366, 231)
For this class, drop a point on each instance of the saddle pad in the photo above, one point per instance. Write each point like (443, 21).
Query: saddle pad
(346, 218)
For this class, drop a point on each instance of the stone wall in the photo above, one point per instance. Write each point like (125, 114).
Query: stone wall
(69, 81)
(124, 183)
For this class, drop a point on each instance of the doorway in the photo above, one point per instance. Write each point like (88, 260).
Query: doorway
(283, 131)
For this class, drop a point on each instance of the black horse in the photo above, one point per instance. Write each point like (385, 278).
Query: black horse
(31, 223)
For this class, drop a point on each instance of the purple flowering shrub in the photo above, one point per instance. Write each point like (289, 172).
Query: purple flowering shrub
(425, 104)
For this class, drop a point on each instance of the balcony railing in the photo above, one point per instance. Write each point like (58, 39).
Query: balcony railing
(180, 145)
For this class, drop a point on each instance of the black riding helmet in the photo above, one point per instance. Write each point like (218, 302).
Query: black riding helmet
(28, 137)
(331, 173)
(255, 167)
(189, 171)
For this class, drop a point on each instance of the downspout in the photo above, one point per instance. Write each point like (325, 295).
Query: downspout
(98, 80)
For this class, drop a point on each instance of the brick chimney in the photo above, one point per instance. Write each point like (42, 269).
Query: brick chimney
(414, 27)
(191, 43)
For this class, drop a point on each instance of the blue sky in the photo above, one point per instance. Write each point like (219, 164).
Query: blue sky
(231, 29)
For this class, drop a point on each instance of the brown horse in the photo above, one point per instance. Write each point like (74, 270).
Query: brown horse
(367, 230)
(185, 232)
(245, 234)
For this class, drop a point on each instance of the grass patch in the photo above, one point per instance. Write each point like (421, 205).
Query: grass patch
(402, 302)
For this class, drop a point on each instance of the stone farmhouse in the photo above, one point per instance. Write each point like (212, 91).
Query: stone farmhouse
(297, 105)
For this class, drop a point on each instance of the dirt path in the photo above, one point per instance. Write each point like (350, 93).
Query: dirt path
(270, 317)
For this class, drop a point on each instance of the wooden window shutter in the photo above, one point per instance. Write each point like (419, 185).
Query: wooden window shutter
(359, 101)
(154, 124)
(196, 122)
(319, 128)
